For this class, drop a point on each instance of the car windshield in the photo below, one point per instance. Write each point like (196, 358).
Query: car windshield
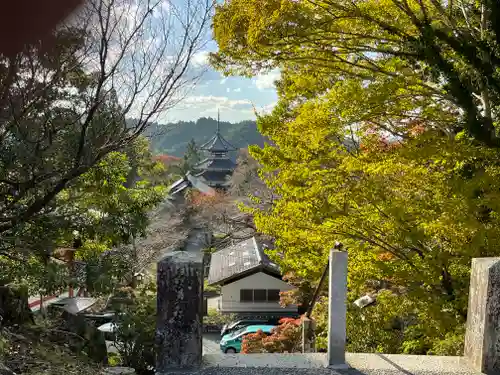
(232, 325)
(238, 332)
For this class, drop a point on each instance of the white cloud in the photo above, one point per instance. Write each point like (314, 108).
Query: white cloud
(228, 90)
(165, 5)
(267, 109)
(223, 81)
(200, 59)
(196, 106)
(238, 89)
(217, 101)
(266, 81)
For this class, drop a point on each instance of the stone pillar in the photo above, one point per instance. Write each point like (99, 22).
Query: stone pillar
(482, 338)
(308, 338)
(180, 312)
(337, 300)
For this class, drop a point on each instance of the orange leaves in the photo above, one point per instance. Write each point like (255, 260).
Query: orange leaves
(386, 256)
(252, 343)
(296, 322)
(199, 199)
(285, 338)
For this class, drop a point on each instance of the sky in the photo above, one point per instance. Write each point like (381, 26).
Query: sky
(234, 97)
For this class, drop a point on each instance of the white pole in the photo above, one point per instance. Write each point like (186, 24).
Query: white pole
(337, 304)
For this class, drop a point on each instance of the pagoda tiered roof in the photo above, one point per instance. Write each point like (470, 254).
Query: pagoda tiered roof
(217, 167)
(217, 143)
(216, 164)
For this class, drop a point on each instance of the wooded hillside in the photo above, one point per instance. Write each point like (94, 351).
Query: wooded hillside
(172, 138)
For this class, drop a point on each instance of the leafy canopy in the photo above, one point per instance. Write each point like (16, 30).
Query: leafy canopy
(383, 138)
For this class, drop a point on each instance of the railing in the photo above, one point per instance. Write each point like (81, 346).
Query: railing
(237, 306)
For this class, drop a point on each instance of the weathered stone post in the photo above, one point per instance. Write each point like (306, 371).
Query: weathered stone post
(179, 315)
(308, 337)
(337, 300)
(482, 338)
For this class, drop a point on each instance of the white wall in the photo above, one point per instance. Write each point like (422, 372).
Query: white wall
(230, 294)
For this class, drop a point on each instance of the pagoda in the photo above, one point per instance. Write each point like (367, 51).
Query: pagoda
(217, 167)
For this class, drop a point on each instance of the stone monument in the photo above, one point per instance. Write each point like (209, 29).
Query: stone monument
(179, 316)
(482, 338)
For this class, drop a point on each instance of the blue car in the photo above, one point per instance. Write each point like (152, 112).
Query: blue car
(231, 343)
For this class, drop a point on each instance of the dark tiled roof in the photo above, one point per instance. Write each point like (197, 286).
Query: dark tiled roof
(190, 181)
(214, 176)
(217, 143)
(199, 185)
(178, 186)
(235, 260)
(216, 164)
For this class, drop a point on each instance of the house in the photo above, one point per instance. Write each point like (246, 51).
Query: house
(250, 282)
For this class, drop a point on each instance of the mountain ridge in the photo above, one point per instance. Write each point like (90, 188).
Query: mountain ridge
(172, 138)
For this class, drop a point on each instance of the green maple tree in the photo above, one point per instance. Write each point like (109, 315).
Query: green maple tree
(384, 139)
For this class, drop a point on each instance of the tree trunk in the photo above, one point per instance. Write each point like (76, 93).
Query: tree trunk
(14, 307)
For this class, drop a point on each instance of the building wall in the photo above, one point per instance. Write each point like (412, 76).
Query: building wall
(230, 295)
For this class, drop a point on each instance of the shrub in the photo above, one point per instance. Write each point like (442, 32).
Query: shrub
(211, 288)
(452, 344)
(216, 318)
(135, 333)
(285, 338)
(252, 343)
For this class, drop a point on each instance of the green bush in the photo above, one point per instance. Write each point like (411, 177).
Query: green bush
(4, 345)
(216, 318)
(211, 288)
(452, 344)
(114, 359)
(135, 334)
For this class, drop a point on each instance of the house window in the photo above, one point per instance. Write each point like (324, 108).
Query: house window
(273, 295)
(259, 295)
(246, 295)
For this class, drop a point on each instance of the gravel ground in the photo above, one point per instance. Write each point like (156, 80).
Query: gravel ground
(313, 364)
(313, 371)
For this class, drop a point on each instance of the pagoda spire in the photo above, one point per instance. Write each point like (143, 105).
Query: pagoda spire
(217, 143)
(218, 120)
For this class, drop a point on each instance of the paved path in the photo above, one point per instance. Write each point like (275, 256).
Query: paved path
(314, 371)
(211, 343)
(314, 364)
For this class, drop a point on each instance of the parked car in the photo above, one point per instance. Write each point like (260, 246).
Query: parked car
(238, 324)
(231, 343)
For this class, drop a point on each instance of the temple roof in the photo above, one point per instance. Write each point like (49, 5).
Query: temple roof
(217, 143)
(216, 165)
(214, 176)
